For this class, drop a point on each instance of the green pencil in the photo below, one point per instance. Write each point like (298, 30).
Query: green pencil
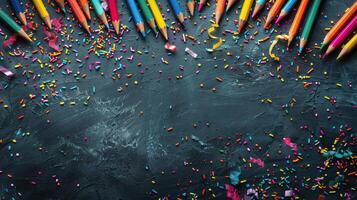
(13, 25)
(147, 14)
(308, 25)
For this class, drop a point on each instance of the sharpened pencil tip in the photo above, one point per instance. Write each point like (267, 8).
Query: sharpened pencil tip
(200, 6)
(278, 20)
(300, 49)
(143, 33)
(323, 45)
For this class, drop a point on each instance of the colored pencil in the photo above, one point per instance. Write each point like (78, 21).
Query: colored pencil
(308, 24)
(137, 16)
(79, 14)
(113, 9)
(201, 4)
(351, 26)
(274, 12)
(348, 47)
(19, 10)
(244, 14)
(43, 12)
(100, 12)
(13, 25)
(148, 15)
(177, 10)
(61, 5)
(230, 3)
(191, 6)
(259, 5)
(220, 10)
(339, 25)
(85, 7)
(286, 10)
(158, 18)
(294, 28)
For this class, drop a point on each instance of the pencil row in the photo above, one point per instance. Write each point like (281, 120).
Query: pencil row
(281, 8)
(152, 14)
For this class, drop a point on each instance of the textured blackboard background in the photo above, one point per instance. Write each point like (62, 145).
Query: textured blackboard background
(106, 145)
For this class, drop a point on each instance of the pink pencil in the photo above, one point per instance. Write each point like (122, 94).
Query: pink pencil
(114, 14)
(342, 36)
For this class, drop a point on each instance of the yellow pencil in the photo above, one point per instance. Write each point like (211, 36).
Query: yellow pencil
(244, 14)
(158, 18)
(348, 47)
(43, 12)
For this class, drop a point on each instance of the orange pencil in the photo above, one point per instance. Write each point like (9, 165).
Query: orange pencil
(340, 25)
(294, 28)
(220, 9)
(79, 14)
(274, 11)
(85, 7)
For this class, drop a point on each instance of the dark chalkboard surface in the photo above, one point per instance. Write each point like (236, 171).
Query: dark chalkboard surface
(160, 128)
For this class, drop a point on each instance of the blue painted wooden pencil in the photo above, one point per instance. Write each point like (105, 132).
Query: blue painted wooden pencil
(286, 10)
(137, 16)
(177, 10)
(19, 10)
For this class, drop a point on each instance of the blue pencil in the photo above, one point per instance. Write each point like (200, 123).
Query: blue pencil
(286, 10)
(177, 10)
(19, 10)
(137, 17)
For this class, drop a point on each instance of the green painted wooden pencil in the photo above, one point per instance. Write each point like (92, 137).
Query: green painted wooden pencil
(308, 25)
(148, 15)
(13, 25)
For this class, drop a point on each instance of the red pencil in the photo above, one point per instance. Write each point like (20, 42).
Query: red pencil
(114, 14)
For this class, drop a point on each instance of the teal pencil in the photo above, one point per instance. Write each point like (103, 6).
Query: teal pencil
(308, 25)
(100, 12)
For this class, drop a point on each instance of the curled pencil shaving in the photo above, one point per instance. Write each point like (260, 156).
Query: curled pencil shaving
(232, 192)
(234, 176)
(51, 39)
(257, 161)
(210, 35)
(288, 142)
(276, 40)
(57, 23)
(13, 38)
(338, 154)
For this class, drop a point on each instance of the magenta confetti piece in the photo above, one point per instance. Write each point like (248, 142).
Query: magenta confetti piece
(232, 193)
(252, 192)
(289, 193)
(257, 161)
(6, 72)
(191, 53)
(288, 142)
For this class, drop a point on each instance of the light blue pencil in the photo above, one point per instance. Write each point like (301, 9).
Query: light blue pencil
(286, 10)
(139, 22)
(177, 10)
